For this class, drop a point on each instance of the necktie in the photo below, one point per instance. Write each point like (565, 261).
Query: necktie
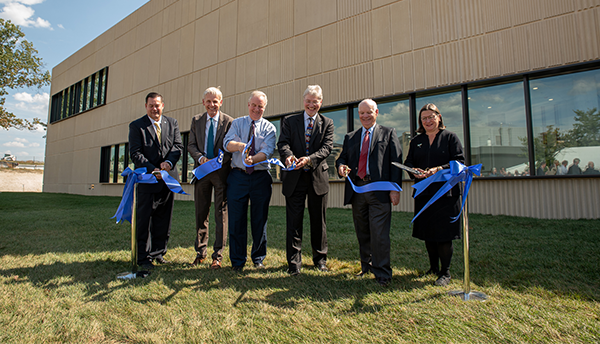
(252, 150)
(210, 142)
(158, 132)
(364, 152)
(307, 134)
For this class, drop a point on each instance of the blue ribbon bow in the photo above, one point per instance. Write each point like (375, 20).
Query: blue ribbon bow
(375, 186)
(457, 172)
(208, 167)
(270, 161)
(139, 175)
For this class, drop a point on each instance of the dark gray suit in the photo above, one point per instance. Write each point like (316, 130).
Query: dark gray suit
(216, 180)
(300, 184)
(154, 201)
(371, 211)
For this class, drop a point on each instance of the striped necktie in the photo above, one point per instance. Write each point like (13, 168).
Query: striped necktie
(158, 135)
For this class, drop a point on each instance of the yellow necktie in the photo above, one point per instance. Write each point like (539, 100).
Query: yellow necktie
(158, 131)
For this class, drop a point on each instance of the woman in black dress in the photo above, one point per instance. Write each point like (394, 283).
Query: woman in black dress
(431, 151)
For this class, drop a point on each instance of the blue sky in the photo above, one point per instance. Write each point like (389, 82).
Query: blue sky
(57, 29)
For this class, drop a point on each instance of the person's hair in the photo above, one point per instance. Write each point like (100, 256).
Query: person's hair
(154, 95)
(259, 94)
(314, 90)
(215, 91)
(368, 102)
(576, 159)
(432, 107)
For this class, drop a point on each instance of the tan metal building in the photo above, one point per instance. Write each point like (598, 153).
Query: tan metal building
(517, 80)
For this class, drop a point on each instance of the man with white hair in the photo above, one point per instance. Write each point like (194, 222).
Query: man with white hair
(249, 181)
(367, 156)
(306, 140)
(206, 139)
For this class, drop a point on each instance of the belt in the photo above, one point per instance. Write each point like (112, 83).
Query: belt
(367, 178)
(239, 169)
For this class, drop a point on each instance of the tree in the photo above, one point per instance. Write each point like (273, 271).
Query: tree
(546, 145)
(20, 66)
(586, 129)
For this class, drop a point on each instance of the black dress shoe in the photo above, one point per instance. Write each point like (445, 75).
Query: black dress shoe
(294, 272)
(199, 260)
(443, 280)
(146, 266)
(259, 265)
(384, 282)
(237, 268)
(321, 267)
(161, 260)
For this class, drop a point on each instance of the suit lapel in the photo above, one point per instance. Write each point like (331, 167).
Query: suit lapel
(220, 132)
(316, 132)
(374, 138)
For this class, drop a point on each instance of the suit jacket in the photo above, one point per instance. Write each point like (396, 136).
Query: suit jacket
(146, 151)
(385, 148)
(292, 141)
(198, 137)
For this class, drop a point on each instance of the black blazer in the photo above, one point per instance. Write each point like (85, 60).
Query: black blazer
(385, 148)
(146, 151)
(198, 136)
(293, 142)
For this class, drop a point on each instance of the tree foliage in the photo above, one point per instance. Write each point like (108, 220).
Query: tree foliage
(546, 145)
(20, 66)
(586, 129)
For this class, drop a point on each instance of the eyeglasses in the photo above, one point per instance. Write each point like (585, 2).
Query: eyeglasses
(428, 118)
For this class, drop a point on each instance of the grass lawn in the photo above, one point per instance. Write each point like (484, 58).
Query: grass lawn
(60, 254)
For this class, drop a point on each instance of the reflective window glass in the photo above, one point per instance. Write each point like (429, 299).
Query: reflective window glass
(111, 165)
(340, 125)
(121, 163)
(275, 169)
(566, 123)
(499, 130)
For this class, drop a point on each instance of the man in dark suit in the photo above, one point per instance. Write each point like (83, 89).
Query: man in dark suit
(367, 156)
(154, 143)
(307, 140)
(206, 139)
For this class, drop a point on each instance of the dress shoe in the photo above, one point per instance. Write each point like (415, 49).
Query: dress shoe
(443, 280)
(259, 265)
(362, 273)
(161, 260)
(294, 272)
(215, 264)
(237, 268)
(321, 267)
(384, 282)
(429, 272)
(199, 260)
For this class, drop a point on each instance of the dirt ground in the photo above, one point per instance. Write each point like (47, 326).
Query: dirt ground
(21, 180)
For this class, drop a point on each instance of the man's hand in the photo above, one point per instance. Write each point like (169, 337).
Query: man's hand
(203, 160)
(165, 166)
(395, 197)
(343, 170)
(156, 173)
(300, 163)
(290, 160)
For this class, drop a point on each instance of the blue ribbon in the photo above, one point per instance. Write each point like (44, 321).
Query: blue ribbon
(208, 167)
(139, 175)
(457, 172)
(274, 161)
(375, 186)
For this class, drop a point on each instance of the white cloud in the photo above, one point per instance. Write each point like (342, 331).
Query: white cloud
(14, 144)
(60, 26)
(21, 143)
(36, 103)
(20, 13)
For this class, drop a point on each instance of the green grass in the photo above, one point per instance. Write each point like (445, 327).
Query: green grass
(60, 254)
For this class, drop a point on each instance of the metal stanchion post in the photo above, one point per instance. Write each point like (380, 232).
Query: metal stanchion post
(134, 271)
(467, 294)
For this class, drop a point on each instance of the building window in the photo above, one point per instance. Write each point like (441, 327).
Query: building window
(450, 106)
(566, 123)
(340, 128)
(113, 160)
(498, 130)
(79, 97)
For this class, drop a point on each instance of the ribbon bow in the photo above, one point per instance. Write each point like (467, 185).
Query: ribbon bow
(270, 161)
(139, 175)
(457, 172)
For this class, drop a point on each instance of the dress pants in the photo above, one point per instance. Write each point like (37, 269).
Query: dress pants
(372, 220)
(202, 197)
(241, 188)
(154, 213)
(294, 207)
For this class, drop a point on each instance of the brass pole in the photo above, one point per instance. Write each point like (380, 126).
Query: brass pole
(134, 231)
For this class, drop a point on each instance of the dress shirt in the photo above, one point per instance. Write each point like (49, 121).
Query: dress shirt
(215, 124)
(306, 117)
(362, 137)
(264, 140)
